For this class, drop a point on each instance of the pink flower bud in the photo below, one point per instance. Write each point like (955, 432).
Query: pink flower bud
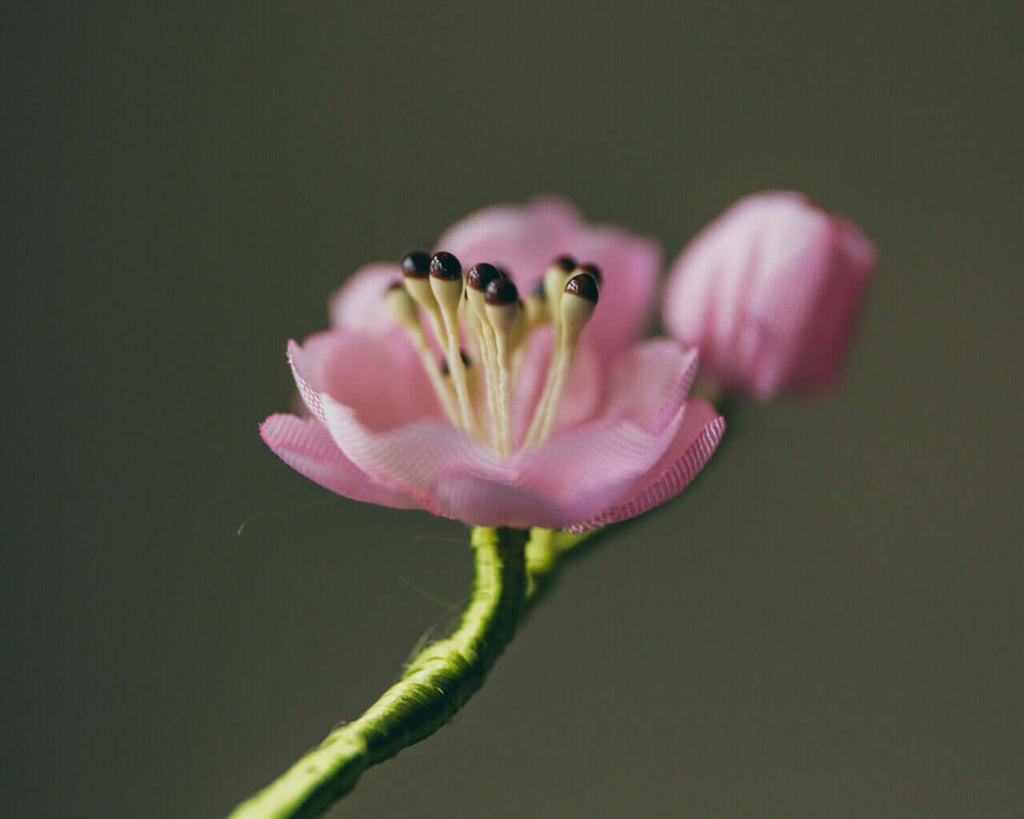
(770, 293)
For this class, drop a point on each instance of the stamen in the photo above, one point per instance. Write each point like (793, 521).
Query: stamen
(447, 286)
(404, 309)
(416, 274)
(555, 278)
(550, 289)
(502, 310)
(578, 302)
(477, 279)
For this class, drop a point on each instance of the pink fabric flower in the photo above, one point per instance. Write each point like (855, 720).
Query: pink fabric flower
(770, 292)
(623, 439)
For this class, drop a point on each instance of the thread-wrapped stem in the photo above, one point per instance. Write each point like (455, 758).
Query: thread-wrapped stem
(435, 684)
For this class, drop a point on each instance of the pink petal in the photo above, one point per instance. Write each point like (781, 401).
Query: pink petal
(305, 445)
(479, 503)
(650, 382)
(571, 477)
(410, 456)
(381, 378)
(695, 441)
(578, 472)
(359, 303)
(603, 458)
(584, 492)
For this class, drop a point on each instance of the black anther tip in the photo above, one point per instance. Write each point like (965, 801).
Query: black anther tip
(566, 263)
(445, 266)
(594, 271)
(416, 265)
(501, 292)
(481, 275)
(582, 285)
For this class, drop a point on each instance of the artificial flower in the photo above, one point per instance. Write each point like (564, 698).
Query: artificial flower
(770, 292)
(503, 380)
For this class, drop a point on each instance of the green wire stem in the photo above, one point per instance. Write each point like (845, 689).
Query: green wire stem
(511, 573)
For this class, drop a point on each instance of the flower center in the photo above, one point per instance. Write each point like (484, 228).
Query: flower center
(497, 324)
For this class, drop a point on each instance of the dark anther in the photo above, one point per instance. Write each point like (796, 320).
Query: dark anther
(567, 263)
(501, 292)
(594, 271)
(481, 275)
(582, 285)
(445, 266)
(416, 265)
(396, 285)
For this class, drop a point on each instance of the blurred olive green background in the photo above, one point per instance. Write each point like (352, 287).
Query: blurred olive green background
(829, 624)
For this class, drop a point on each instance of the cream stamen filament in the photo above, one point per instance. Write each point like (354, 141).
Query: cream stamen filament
(447, 286)
(501, 309)
(503, 421)
(481, 330)
(539, 422)
(578, 303)
(458, 371)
